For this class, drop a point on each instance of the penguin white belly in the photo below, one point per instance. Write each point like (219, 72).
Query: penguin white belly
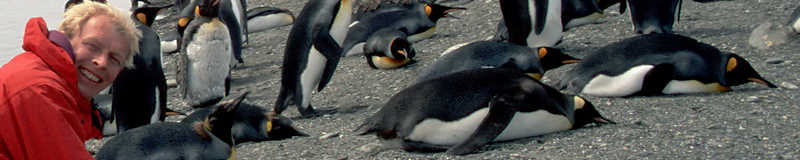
(533, 124)
(553, 29)
(209, 55)
(592, 18)
(342, 21)
(621, 85)
(262, 23)
(239, 13)
(435, 131)
(311, 75)
(357, 49)
(692, 86)
(453, 48)
(157, 112)
(423, 35)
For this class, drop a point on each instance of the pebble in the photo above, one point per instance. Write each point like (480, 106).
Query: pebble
(775, 61)
(329, 135)
(371, 147)
(752, 99)
(788, 85)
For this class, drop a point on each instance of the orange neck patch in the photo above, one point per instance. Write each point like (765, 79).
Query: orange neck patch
(731, 64)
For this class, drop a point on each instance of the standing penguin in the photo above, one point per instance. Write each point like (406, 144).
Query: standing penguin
(252, 124)
(207, 139)
(656, 16)
(388, 49)
(140, 93)
(461, 112)
(417, 20)
(658, 64)
(233, 14)
(312, 53)
(204, 68)
(533, 23)
(492, 54)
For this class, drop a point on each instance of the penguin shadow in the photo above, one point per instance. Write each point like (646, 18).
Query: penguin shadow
(332, 111)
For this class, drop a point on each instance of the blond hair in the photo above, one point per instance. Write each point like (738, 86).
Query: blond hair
(76, 16)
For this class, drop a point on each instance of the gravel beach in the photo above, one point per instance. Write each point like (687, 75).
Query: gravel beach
(750, 122)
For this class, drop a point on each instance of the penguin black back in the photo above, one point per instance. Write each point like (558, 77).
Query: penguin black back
(209, 139)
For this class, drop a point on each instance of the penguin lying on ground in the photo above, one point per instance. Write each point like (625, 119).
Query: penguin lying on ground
(658, 64)
(461, 112)
(388, 49)
(204, 64)
(264, 18)
(492, 54)
(252, 124)
(312, 53)
(258, 19)
(208, 139)
(140, 93)
(417, 20)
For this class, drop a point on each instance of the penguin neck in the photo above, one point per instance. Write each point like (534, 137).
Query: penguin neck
(343, 18)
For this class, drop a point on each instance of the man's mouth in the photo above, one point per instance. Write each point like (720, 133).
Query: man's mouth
(90, 75)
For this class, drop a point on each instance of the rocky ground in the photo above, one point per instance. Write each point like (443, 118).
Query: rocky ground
(750, 122)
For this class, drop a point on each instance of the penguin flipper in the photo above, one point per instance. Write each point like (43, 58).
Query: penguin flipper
(541, 15)
(332, 52)
(657, 78)
(491, 126)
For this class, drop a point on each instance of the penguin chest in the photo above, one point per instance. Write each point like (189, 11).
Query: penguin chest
(553, 27)
(209, 58)
(311, 74)
(623, 84)
(692, 86)
(527, 124)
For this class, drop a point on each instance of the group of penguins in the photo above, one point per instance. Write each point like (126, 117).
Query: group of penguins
(488, 91)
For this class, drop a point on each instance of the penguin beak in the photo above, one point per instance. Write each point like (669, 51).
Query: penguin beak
(762, 81)
(536, 76)
(602, 120)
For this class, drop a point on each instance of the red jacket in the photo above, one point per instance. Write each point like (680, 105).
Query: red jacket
(42, 113)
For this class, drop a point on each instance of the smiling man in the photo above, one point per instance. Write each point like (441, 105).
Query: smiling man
(45, 111)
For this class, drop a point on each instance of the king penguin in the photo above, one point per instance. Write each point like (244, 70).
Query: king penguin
(533, 23)
(252, 124)
(233, 14)
(140, 93)
(204, 68)
(207, 139)
(658, 64)
(312, 53)
(493, 54)
(418, 20)
(266, 17)
(388, 49)
(463, 111)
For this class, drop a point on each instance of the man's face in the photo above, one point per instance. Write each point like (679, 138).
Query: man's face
(100, 52)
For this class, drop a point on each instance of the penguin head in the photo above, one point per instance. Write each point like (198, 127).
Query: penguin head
(388, 49)
(586, 113)
(147, 14)
(278, 127)
(220, 121)
(208, 8)
(436, 11)
(551, 58)
(738, 71)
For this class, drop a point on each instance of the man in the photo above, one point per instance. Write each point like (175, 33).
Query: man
(45, 111)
